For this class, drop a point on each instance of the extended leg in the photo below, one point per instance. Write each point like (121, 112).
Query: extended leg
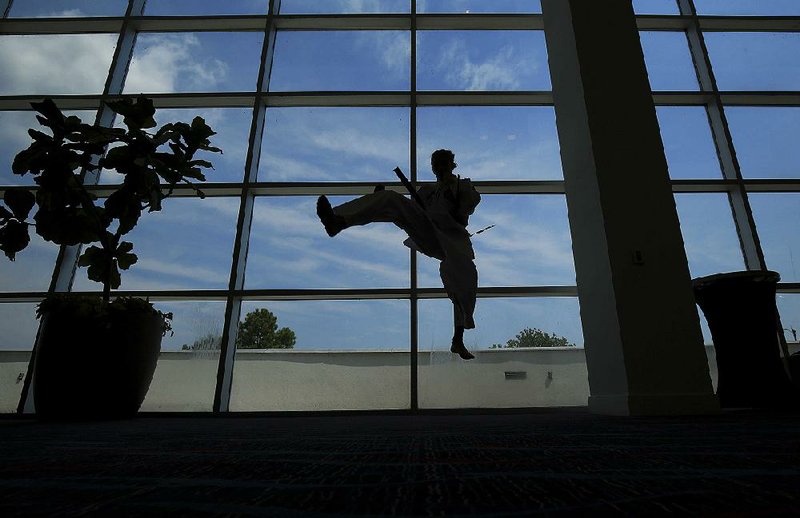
(333, 223)
(460, 280)
(382, 206)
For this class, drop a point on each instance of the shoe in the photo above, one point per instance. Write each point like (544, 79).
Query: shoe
(462, 351)
(332, 222)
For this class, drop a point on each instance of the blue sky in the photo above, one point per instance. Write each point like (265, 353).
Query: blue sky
(192, 7)
(529, 246)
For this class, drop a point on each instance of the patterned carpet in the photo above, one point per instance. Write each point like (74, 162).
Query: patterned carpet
(537, 464)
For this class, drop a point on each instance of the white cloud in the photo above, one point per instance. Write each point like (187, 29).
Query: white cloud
(334, 143)
(361, 6)
(283, 167)
(354, 142)
(499, 72)
(67, 13)
(196, 274)
(291, 241)
(520, 248)
(394, 49)
(298, 220)
(79, 64)
(55, 64)
(161, 61)
(533, 160)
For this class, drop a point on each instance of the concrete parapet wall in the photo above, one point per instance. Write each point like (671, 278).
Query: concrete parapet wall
(281, 380)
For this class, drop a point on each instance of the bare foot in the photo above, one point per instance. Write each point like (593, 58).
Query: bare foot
(459, 348)
(333, 223)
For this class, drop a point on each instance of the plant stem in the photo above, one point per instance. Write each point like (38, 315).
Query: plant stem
(109, 269)
(88, 205)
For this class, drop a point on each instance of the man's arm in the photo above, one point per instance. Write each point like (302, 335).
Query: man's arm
(467, 198)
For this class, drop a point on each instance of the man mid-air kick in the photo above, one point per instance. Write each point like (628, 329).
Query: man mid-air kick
(435, 221)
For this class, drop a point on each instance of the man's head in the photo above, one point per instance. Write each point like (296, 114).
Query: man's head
(443, 161)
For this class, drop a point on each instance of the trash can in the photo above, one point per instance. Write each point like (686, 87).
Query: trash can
(742, 315)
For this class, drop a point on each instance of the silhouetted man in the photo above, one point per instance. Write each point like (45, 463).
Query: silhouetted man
(436, 225)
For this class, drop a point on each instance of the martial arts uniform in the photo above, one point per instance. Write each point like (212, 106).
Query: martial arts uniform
(438, 231)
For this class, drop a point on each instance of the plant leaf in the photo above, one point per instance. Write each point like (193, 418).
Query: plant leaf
(68, 226)
(29, 160)
(97, 260)
(92, 255)
(20, 201)
(39, 136)
(200, 163)
(51, 112)
(14, 237)
(124, 256)
(125, 206)
(137, 114)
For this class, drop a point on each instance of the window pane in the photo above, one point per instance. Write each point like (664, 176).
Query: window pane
(709, 234)
(33, 267)
(755, 60)
(187, 245)
(61, 8)
(55, 64)
(18, 327)
(529, 246)
(492, 143)
(655, 7)
(766, 141)
(748, 7)
(446, 381)
(14, 138)
(290, 249)
(186, 373)
(669, 64)
(688, 143)
(789, 309)
(233, 132)
(341, 60)
(195, 8)
(344, 6)
(482, 60)
(479, 6)
(347, 355)
(776, 216)
(194, 62)
(334, 144)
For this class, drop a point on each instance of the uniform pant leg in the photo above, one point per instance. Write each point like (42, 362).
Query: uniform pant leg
(460, 280)
(393, 207)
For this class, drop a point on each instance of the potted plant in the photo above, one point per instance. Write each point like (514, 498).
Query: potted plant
(96, 355)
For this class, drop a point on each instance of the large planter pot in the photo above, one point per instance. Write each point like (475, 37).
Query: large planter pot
(95, 365)
(742, 315)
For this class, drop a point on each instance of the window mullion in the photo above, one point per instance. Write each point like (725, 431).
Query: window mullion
(740, 206)
(233, 306)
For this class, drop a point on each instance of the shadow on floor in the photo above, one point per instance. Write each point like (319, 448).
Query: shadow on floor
(518, 464)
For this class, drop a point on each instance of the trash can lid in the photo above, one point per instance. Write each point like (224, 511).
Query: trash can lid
(747, 276)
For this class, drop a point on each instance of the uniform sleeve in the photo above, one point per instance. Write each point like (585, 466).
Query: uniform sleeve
(468, 199)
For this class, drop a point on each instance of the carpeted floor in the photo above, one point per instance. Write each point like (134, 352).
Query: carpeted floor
(549, 464)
